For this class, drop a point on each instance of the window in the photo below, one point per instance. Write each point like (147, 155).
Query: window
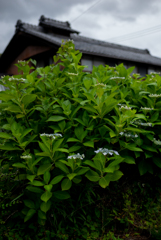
(89, 63)
(142, 70)
(92, 61)
(151, 70)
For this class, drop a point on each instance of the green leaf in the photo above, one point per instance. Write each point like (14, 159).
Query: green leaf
(43, 168)
(62, 150)
(56, 118)
(157, 161)
(48, 187)
(46, 177)
(29, 215)
(37, 183)
(61, 195)
(45, 206)
(109, 169)
(25, 132)
(13, 108)
(29, 98)
(101, 158)
(5, 135)
(57, 179)
(29, 203)
(31, 177)
(142, 167)
(44, 148)
(92, 176)
(57, 144)
(115, 162)
(90, 163)
(103, 182)
(80, 133)
(9, 147)
(34, 189)
(154, 117)
(74, 149)
(131, 148)
(66, 184)
(115, 176)
(72, 140)
(71, 175)
(89, 144)
(62, 166)
(129, 160)
(19, 165)
(41, 214)
(87, 82)
(82, 171)
(149, 148)
(46, 196)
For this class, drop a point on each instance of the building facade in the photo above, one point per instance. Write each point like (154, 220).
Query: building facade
(41, 42)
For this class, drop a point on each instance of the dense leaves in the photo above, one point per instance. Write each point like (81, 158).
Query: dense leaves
(63, 127)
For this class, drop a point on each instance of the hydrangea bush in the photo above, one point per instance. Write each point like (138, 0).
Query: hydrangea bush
(61, 126)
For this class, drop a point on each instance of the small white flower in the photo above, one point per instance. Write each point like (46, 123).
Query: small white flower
(100, 84)
(153, 73)
(147, 109)
(73, 74)
(148, 124)
(157, 142)
(54, 135)
(21, 61)
(106, 151)
(155, 95)
(129, 135)
(117, 78)
(26, 156)
(70, 40)
(125, 107)
(16, 79)
(76, 156)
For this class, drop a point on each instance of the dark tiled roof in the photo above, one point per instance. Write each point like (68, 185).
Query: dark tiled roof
(100, 48)
(88, 45)
(46, 22)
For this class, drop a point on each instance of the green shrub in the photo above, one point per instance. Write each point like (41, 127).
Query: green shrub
(65, 132)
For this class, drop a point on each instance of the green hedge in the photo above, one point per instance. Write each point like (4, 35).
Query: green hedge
(63, 129)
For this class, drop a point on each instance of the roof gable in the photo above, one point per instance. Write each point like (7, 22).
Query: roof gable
(56, 26)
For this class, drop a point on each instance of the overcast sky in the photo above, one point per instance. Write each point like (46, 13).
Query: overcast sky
(105, 19)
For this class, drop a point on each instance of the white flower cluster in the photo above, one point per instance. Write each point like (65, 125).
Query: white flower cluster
(106, 151)
(70, 40)
(148, 124)
(117, 78)
(157, 142)
(73, 74)
(77, 156)
(26, 156)
(21, 61)
(147, 109)
(100, 84)
(2, 76)
(125, 107)
(54, 135)
(155, 95)
(16, 79)
(155, 73)
(128, 135)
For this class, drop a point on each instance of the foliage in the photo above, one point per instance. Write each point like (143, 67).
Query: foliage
(66, 133)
